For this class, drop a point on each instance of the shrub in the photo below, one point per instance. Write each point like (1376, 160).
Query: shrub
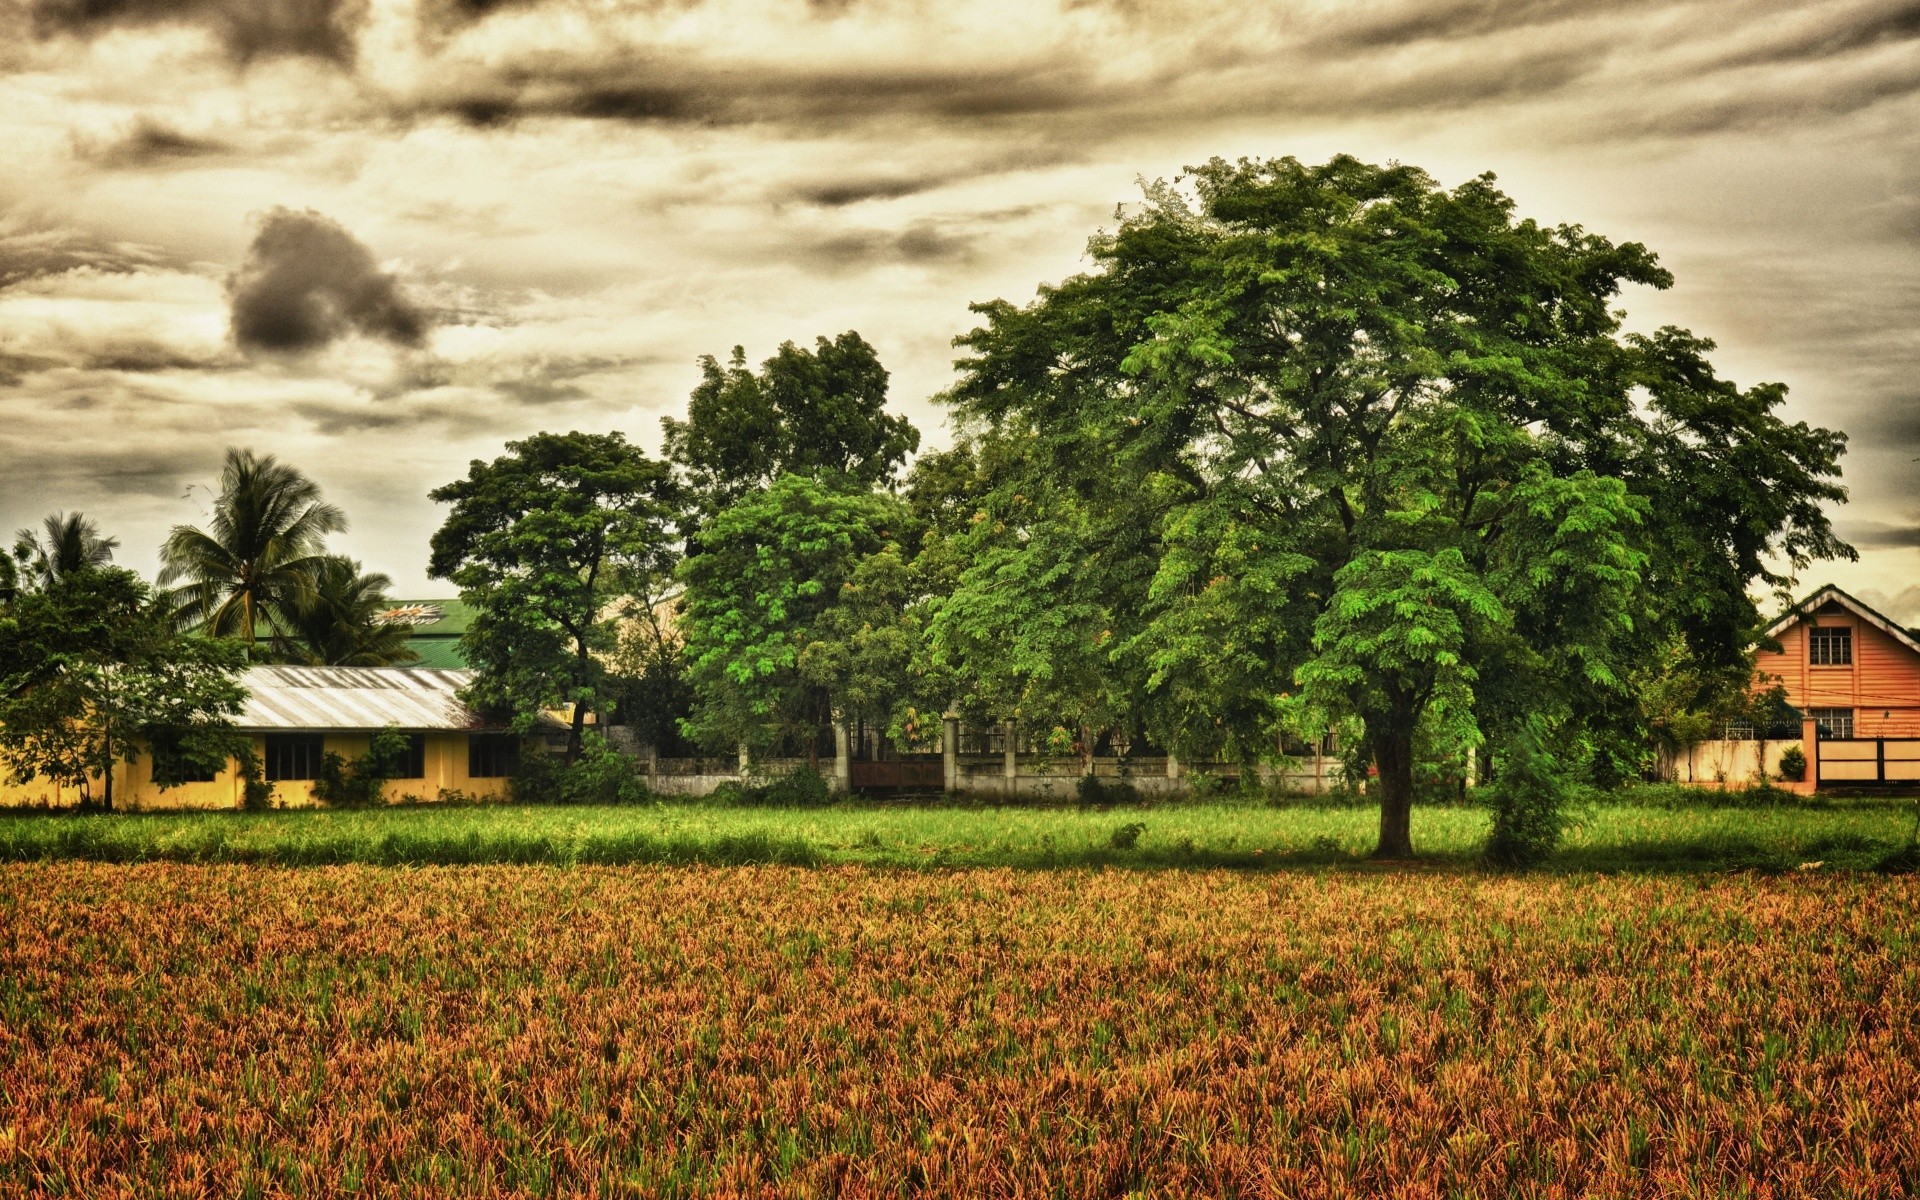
(363, 780)
(1127, 836)
(1793, 764)
(1093, 792)
(601, 775)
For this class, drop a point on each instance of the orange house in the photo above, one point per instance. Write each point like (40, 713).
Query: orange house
(1855, 677)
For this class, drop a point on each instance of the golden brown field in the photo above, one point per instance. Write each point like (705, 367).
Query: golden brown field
(190, 1030)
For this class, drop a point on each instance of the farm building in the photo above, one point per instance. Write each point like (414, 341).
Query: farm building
(1854, 676)
(297, 715)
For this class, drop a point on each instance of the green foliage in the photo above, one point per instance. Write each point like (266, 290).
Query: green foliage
(68, 544)
(601, 775)
(541, 542)
(1091, 791)
(803, 787)
(1339, 428)
(1793, 764)
(807, 412)
(363, 780)
(334, 622)
(1529, 799)
(242, 576)
(92, 670)
(794, 606)
(1127, 836)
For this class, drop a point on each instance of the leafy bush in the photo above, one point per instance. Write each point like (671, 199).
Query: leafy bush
(363, 780)
(1093, 792)
(803, 788)
(1529, 798)
(601, 775)
(1127, 836)
(1793, 764)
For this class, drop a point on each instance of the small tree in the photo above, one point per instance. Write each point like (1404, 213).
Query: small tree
(765, 579)
(542, 541)
(92, 670)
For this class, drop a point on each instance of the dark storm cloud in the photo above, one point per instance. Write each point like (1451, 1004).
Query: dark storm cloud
(307, 282)
(1881, 536)
(154, 143)
(628, 85)
(246, 29)
(35, 253)
(1838, 30)
(921, 243)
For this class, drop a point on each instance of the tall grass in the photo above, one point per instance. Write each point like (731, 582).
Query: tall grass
(1651, 831)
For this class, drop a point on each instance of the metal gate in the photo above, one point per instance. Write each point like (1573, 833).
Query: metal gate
(1862, 761)
(913, 774)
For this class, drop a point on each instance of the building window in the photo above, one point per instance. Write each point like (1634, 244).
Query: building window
(1830, 646)
(414, 765)
(492, 755)
(1740, 729)
(294, 756)
(170, 769)
(1833, 722)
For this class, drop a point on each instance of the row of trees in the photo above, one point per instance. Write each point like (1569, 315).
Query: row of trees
(1308, 447)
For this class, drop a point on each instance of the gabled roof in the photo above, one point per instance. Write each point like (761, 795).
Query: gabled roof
(1833, 595)
(355, 698)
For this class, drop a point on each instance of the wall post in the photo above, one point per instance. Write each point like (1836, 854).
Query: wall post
(950, 750)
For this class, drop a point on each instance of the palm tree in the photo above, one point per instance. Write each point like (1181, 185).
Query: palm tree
(336, 624)
(258, 558)
(73, 544)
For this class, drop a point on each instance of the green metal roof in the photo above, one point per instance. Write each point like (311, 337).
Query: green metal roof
(435, 640)
(455, 616)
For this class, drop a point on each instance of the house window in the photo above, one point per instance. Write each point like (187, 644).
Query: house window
(1739, 729)
(170, 769)
(294, 756)
(414, 765)
(492, 755)
(1830, 646)
(1833, 722)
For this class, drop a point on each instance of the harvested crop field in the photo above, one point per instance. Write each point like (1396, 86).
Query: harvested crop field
(172, 1029)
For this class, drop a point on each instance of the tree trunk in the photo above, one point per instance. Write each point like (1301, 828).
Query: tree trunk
(574, 732)
(1393, 755)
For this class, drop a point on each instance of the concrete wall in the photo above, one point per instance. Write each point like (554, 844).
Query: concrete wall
(1036, 777)
(134, 789)
(1729, 763)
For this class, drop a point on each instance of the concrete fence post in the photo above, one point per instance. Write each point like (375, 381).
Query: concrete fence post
(950, 750)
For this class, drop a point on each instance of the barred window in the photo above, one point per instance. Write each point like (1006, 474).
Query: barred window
(414, 765)
(492, 755)
(1830, 646)
(294, 756)
(1833, 722)
(171, 769)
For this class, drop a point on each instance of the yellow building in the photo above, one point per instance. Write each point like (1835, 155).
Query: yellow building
(296, 715)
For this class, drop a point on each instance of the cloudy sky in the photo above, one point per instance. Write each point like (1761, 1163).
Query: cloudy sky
(380, 237)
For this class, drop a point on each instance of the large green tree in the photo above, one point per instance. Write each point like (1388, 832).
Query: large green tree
(93, 670)
(546, 542)
(1341, 432)
(256, 560)
(808, 412)
(795, 612)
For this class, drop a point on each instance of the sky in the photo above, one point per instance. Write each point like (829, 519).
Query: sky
(379, 238)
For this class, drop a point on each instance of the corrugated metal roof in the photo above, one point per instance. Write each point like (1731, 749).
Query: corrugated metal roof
(409, 698)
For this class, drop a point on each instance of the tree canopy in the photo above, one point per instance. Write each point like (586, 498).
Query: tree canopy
(92, 670)
(806, 412)
(1338, 437)
(542, 541)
